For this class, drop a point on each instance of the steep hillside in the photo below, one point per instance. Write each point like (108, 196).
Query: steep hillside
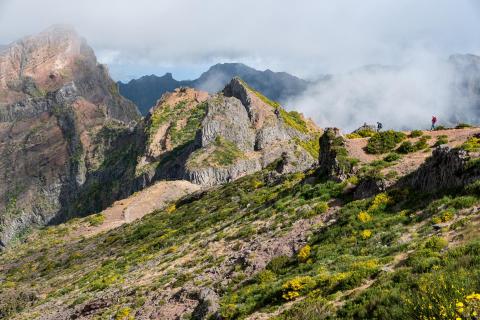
(278, 86)
(280, 246)
(60, 118)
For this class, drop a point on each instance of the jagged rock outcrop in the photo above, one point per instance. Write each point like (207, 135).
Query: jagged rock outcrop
(60, 118)
(446, 168)
(334, 162)
(224, 136)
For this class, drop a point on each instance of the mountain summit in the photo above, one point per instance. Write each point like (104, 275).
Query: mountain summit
(60, 113)
(277, 86)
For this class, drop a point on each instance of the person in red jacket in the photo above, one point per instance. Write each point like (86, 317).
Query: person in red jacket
(434, 120)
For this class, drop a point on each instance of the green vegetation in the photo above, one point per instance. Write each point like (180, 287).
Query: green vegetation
(96, 219)
(187, 133)
(391, 157)
(416, 133)
(312, 146)
(440, 128)
(384, 142)
(220, 153)
(472, 144)
(441, 139)
(361, 133)
(408, 146)
(293, 118)
(397, 255)
(166, 114)
(463, 126)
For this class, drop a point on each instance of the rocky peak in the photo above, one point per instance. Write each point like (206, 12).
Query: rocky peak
(333, 159)
(47, 59)
(259, 111)
(61, 117)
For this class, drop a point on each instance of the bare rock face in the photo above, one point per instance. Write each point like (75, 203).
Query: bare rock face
(333, 160)
(228, 118)
(247, 134)
(60, 115)
(446, 168)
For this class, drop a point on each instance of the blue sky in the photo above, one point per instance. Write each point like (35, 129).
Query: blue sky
(304, 37)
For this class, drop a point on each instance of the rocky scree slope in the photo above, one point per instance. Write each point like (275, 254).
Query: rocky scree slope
(61, 119)
(268, 246)
(213, 139)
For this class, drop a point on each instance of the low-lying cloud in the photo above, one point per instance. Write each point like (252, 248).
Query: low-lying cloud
(401, 97)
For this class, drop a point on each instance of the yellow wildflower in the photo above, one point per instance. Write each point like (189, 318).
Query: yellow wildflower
(363, 216)
(366, 234)
(304, 253)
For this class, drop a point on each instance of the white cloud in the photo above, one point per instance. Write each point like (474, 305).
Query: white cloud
(305, 37)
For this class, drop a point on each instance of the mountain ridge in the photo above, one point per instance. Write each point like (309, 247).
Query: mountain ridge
(278, 86)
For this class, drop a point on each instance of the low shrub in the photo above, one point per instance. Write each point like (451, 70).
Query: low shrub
(295, 287)
(96, 219)
(265, 277)
(304, 253)
(321, 207)
(353, 136)
(472, 144)
(392, 156)
(364, 133)
(442, 139)
(463, 126)
(406, 147)
(463, 202)
(278, 264)
(416, 133)
(436, 243)
(421, 144)
(384, 142)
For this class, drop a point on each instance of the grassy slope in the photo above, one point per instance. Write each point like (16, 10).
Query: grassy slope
(167, 249)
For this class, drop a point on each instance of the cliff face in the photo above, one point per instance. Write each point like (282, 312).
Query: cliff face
(446, 169)
(213, 139)
(60, 114)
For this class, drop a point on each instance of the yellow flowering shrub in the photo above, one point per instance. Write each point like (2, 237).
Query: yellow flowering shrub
(124, 314)
(444, 216)
(293, 288)
(469, 308)
(171, 208)
(365, 234)
(380, 201)
(363, 216)
(304, 253)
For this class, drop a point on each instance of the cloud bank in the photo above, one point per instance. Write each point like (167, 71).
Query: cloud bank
(402, 97)
(305, 37)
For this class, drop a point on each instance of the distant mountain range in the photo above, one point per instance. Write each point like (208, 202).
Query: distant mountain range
(278, 86)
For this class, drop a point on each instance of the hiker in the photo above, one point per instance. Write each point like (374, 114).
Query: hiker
(379, 126)
(434, 120)
(277, 112)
